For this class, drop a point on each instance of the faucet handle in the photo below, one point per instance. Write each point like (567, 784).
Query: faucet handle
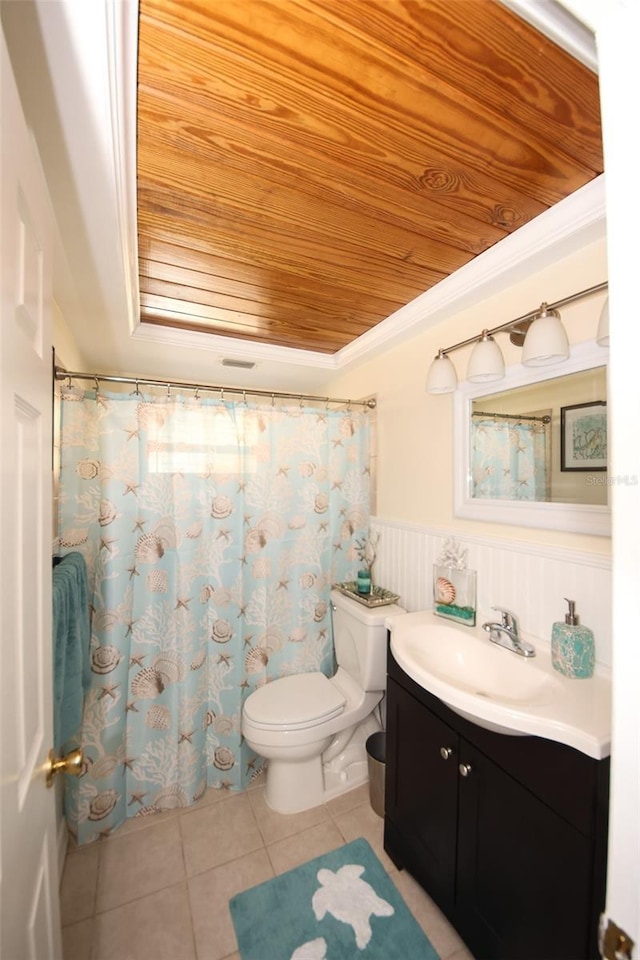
(509, 619)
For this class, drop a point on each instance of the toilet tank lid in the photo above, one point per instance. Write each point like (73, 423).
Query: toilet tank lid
(293, 702)
(372, 616)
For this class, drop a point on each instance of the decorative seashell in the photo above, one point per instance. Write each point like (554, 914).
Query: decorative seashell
(73, 538)
(225, 724)
(149, 548)
(206, 593)
(165, 530)
(272, 525)
(261, 568)
(104, 659)
(105, 619)
(273, 639)
(307, 469)
(107, 513)
(221, 507)
(208, 719)
(298, 635)
(223, 758)
(222, 631)
(320, 611)
(103, 767)
(170, 667)
(221, 596)
(147, 684)
(170, 798)
(321, 503)
(147, 811)
(445, 590)
(157, 581)
(195, 530)
(307, 580)
(254, 541)
(198, 660)
(88, 469)
(102, 804)
(256, 660)
(298, 522)
(158, 717)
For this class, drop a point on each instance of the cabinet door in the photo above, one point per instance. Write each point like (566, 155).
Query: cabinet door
(421, 792)
(523, 872)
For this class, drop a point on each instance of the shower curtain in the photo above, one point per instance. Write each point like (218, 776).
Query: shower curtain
(212, 532)
(509, 459)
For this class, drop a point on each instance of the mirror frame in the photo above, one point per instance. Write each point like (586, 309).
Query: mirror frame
(571, 517)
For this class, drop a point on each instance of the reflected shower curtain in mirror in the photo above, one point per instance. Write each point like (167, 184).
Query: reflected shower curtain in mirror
(509, 459)
(212, 533)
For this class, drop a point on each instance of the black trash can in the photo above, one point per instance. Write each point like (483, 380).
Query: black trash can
(376, 746)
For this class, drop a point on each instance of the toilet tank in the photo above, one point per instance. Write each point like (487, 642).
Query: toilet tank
(360, 639)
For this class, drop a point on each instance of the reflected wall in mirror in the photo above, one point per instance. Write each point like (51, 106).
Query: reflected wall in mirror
(508, 468)
(516, 442)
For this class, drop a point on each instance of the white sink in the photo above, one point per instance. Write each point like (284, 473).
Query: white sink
(500, 690)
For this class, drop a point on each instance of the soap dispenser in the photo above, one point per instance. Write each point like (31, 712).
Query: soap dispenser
(572, 646)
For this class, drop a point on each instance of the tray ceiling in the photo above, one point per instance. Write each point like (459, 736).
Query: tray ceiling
(308, 167)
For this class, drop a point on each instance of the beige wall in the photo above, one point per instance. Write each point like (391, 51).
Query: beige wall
(414, 429)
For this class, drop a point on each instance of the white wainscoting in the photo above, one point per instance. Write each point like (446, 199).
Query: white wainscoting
(528, 578)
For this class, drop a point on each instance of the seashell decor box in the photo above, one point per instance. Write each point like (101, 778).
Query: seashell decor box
(454, 587)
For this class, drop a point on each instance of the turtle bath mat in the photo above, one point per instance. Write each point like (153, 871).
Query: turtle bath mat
(340, 906)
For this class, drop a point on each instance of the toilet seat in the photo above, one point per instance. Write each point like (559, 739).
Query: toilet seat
(294, 703)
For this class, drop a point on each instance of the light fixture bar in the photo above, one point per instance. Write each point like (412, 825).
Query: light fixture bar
(590, 291)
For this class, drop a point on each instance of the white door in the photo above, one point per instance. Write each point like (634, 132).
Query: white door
(29, 903)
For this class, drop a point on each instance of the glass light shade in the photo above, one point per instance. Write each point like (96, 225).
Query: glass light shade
(442, 377)
(546, 341)
(486, 362)
(602, 336)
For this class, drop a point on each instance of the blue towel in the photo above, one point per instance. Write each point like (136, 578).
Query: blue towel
(72, 641)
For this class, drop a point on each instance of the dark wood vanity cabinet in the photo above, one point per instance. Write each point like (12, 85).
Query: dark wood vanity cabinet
(506, 834)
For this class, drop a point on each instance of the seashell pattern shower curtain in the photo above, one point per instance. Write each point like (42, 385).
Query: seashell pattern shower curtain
(212, 533)
(510, 460)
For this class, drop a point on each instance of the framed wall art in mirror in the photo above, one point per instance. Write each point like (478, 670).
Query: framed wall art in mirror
(507, 455)
(583, 436)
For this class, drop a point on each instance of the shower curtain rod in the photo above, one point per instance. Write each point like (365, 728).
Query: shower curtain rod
(62, 374)
(510, 416)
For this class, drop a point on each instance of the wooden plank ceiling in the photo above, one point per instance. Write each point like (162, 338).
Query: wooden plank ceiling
(307, 167)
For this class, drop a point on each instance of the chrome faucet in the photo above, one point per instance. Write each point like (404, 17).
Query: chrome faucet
(506, 634)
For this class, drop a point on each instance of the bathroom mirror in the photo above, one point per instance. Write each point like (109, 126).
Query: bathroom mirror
(544, 494)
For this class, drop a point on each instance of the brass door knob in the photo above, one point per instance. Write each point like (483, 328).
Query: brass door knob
(71, 763)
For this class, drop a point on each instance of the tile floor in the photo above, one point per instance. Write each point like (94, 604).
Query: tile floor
(158, 889)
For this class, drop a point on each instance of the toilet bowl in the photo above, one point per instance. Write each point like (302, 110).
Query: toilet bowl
(311, 728)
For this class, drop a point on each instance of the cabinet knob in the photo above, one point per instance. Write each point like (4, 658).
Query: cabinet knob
(445, 752)
(465, 769)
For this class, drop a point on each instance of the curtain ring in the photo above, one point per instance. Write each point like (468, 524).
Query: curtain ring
(168, 391)
(273, 400)
(195, 396)
(301, 399)
(222, 394)
(244, 397)
(68, 382)
(97, 387)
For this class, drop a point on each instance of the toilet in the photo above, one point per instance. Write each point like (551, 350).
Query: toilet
(312, 729)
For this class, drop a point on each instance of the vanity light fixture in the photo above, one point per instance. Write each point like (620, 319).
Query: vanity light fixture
(486, 362)
(442, 376)
(546, 341)
(539, 332)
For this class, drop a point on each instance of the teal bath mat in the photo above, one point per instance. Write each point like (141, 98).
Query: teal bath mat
(339, 906)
